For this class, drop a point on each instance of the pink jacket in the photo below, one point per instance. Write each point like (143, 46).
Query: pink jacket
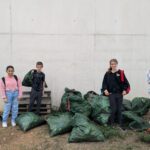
(11, 85)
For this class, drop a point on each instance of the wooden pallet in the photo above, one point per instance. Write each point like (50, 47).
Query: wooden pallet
(45, 103)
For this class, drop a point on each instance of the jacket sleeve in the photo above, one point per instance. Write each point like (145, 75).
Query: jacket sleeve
(104, 83)
(43, 77)
(126, 86)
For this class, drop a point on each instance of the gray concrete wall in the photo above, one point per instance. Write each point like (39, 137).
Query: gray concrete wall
(75, 39)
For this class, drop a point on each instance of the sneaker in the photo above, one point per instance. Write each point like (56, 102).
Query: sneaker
(4, 124)
(13, 123)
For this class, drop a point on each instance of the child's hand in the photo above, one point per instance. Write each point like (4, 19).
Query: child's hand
(106, 92)
(5, 100)
(124, 93)
(32, 71)
(19, 98)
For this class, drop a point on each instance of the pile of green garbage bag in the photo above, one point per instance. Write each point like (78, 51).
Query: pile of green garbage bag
(87, 117)
(59, 123)
(132, 110)
(72, 101)
(29, 120)
(138, 105)
(85, 130)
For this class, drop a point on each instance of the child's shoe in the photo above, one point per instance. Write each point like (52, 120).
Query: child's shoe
(4, 124)
(13, 124)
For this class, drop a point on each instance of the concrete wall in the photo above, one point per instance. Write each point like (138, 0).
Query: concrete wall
(75, 39)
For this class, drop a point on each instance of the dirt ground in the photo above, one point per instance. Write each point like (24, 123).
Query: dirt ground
(39, 139)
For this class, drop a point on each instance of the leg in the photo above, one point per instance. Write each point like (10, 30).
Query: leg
(15, 106)
(7, 107)
(119, 101)
(32, 100)
(38, 100)
(112, 100)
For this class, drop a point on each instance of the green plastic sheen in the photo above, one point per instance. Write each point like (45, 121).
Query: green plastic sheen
(85, 130)
(29, 120)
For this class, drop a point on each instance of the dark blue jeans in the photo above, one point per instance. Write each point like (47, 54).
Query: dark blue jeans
(35, 96)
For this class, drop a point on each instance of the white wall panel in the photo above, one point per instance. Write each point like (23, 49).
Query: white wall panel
(76, 39)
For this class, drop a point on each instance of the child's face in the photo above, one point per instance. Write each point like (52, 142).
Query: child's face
(113, 65)
(10, 71)
(39, 68)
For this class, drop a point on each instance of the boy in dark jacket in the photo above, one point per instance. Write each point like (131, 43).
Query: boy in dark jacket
(38, 84)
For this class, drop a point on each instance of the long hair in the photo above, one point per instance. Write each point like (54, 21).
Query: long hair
(112, 60)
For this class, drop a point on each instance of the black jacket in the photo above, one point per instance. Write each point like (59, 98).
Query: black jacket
(115, 82)
(38, 78)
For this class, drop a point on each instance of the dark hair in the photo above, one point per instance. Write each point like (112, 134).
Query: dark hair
(8, 67)
(112, 60)
(39, 63)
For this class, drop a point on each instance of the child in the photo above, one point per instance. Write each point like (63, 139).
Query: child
(11, 91)
(115, 86)
(38, 84)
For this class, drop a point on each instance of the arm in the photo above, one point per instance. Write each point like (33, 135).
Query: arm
(2, 89)
(104, 85)
(43, 83)
(19, 88)
(126, 87)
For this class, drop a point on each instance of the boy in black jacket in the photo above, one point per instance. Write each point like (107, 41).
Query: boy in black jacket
(38, 84)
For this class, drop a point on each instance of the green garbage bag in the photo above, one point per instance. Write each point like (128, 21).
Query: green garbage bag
(140, 105)
(27, 80)
(65, 100)
(134, 121)
(100, 107)
(84, 130)
(105, 105)
(127, 105)
(99, 104)
(82, 107)
(131, 116)
(139, 126)
(102, 118)
(96, 106)
(59, 123)
(89, 96)
(137, 103)
(29, 120)
(72, 101)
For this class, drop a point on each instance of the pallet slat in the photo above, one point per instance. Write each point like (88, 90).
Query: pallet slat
(44, 101)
